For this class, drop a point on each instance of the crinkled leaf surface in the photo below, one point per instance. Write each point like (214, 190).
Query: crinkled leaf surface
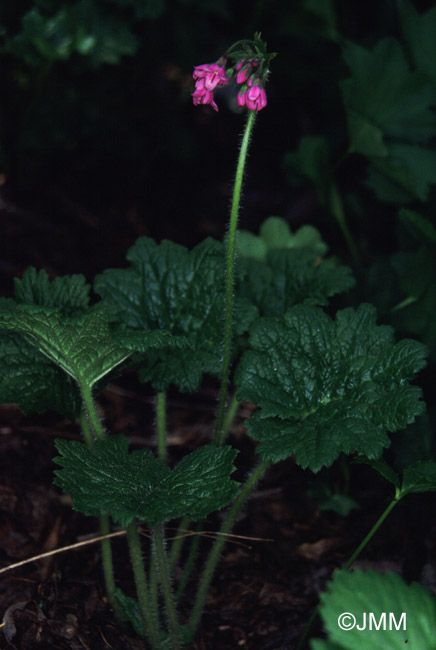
(360, 593)
(83, 347)
(31, 381)
(289, 277)
(69, 293)
(168, 287)
(107, 480)
(326, 387)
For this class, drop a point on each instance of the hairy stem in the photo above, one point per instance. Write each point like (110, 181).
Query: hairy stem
(160, 555)
(150, 624)
(161, 426)
(347, 565)
(230, 273)
(92, 417)
(216, 549)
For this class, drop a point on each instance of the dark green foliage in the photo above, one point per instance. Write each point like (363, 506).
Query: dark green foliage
(417, 477)
(70, 293)
(326, 387)
(279, 269)
(107, 480)
(178, 290)
(365, 592)
(390, 120)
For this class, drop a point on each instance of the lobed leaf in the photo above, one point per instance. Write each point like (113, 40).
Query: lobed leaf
(107, 480)
(326, 387)
(69, 293)
(168, 287)
(387, 597)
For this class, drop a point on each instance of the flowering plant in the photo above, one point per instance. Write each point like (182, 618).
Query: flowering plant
(324, 385)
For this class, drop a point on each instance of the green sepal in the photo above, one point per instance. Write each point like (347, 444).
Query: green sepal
(171, 288)
(108, 481)
(365, 593)
(326, 387)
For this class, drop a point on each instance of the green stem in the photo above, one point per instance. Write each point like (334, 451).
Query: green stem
(337, 209)
(215, 552)
(94, 422)
(189, 565)
(230, 415)
(165, 582)
(177, 543)
(347, 565)
(161, 426)
(150, 624)
(105, 529)
(230, 272)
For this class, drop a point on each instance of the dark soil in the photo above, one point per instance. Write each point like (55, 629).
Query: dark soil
(265, 587)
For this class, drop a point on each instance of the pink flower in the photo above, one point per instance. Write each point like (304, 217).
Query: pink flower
(213, 74)
(255, 98)
(243, 74)
(203, 96)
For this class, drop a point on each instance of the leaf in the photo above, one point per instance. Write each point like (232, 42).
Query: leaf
(275, 233)
(419, 478)
(129, 611)
(168, 287)
(107, 480)
(69, 293)
(420, 227)
(385, 93)
(393, 604)
(382, 468)
(326, 387)
(289, 277)
(31, 381)
(419, 31)
(83, 347)
(407, 173)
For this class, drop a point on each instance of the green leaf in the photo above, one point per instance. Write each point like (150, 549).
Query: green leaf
(69, 293)
(419, 31)
(407, 173)
(129, 611)
(83, 347)
(274, 234)
(31, 381)
(382, 468)
(385, 93)
(290, 277)
(419, 478)
(326, 387)
(389, 599)
(420, 227)
(168, 287)
(107, 480)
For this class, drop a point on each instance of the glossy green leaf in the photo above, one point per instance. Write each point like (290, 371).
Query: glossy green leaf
(168, 287)
(328, 386)
(107, 480)
(405, 614)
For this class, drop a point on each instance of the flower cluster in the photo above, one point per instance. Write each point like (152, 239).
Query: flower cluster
(210, 75)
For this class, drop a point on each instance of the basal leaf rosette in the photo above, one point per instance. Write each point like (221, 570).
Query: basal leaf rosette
(169, 287)
(327, 386)
(108, 481)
